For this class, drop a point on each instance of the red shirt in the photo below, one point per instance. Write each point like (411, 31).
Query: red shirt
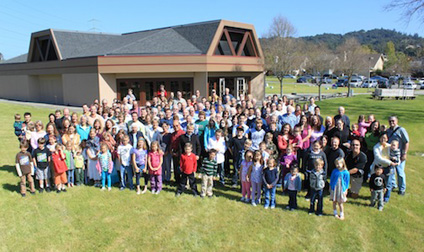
(175, 140)
(160, 93)
(188, 163)
(59, 163)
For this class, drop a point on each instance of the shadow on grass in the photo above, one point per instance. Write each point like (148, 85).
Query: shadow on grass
(7, 168)
(12, 187)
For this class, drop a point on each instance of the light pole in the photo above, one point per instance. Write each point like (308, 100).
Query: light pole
(369, 72)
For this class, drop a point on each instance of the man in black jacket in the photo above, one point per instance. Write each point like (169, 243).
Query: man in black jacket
(190, 137)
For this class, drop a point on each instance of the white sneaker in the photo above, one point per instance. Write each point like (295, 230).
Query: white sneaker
(266, 207)
(103, 188)
(272, 207)
(153, 192)
(109, 189)
(157, 192)
(253, 203)
(138, 192)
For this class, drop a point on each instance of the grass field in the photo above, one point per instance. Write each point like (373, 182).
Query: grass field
(87, 219)
(290, 86)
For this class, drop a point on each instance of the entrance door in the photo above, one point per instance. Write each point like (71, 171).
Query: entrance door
(221, 87)
(241, 87)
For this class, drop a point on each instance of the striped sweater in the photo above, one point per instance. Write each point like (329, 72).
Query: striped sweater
(209, 167)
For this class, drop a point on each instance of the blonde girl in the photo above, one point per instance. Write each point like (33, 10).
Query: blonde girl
(255, 177)
(339, 183)
(139, 160)
(155, 160)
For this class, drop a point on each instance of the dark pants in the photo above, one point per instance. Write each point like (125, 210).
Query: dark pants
(177, 171)
(183, 182)
(228, 156)
(370, 160)
(221, 172)
(316, 195)
(236, 170)
(292, 199)
(79, 176)
(141, 174)
(306, 184)
(166, 167)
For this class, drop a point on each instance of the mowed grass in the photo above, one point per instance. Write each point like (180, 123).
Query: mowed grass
(290, 86)
(87, 219)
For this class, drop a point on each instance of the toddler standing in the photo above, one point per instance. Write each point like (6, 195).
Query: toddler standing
(378, 187)
(293, 184)
(270, 179)
(79, 166)
(70, 164)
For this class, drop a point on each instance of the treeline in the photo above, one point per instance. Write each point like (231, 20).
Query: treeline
(376, 40)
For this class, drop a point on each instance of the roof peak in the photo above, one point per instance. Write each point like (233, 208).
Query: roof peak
(176, 26)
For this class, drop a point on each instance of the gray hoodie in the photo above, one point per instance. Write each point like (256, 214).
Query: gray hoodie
(317, 180)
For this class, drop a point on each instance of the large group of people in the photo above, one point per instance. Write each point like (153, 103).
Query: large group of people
(225, 141)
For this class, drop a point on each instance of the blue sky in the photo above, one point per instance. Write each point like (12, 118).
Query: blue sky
(19, 18)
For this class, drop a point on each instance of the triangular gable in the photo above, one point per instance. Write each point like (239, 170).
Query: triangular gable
(43, 47)
(235, 41)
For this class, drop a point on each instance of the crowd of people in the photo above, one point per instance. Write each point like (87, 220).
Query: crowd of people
(221, 141)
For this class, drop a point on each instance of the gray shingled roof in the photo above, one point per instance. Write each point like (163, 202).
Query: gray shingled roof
(18, 59)
(186, 39)
(176, 40)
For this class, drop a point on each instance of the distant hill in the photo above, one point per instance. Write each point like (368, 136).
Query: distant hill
(376, 39)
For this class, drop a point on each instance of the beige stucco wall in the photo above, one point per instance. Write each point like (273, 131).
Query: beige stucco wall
(14, 87)
(48, 88)
(80, 88)
(257, 86)
(200, 81)
(107, 87)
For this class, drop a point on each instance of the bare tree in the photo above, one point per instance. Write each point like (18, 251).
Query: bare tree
(280, 49)
(320, 60)
(410, 9)
(351, 58)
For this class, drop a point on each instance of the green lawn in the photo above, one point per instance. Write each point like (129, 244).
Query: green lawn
(290, 86)
(87, 219)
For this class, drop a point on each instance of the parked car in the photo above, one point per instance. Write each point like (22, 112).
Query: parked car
(355, 82)
(322, 80)
(331, 76)
(369, 84)
(341, 82)
(383, 83)
(289, 76)
(421, 81)
(410, 85)
(422, 86)
(302, 80)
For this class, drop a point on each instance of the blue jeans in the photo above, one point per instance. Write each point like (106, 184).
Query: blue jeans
(71, 176)
(221, 172)
(401, 178)
(270, 196)
(129, 181)
(316, 195)
(390, 181)
(106, 174)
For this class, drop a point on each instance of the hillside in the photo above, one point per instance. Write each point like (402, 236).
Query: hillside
(376, 39)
